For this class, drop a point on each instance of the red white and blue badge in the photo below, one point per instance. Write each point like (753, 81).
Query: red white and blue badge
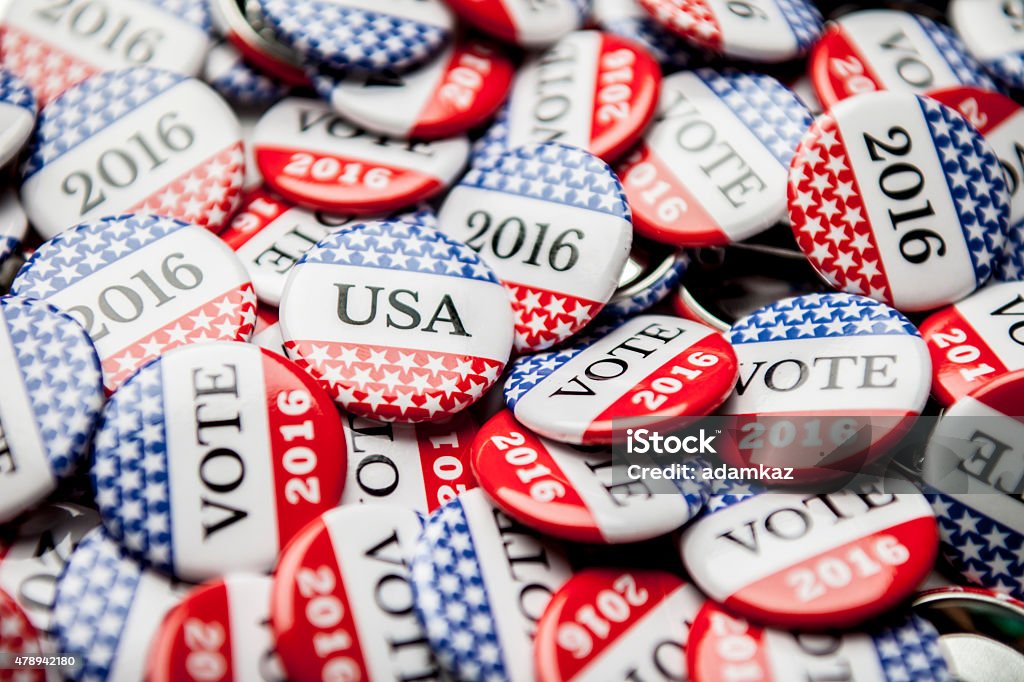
(397, 321)
(342, 603)
(897, 197)
(765, 31)
(13, 223)
(134, 141)
(142, 285)
(723, 646)
(792, 560)
(651, 273)
(627, 19)
(361, 34)
(235, 80)
(17, 115)
(243, 24)
(523, 23)
(976, 340)
(53, 393)
(650, 371)
(553, 223)
(213, 456)
(591, 90)
(500, 573)
(220, 632)
(712, 168)
(616, 624)
(57, 46)
(992, 32)
(890, 50)
(18, 637)
(415, 466)
(310, 155)
(575, 494)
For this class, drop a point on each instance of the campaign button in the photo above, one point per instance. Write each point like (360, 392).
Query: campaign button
(18, 637)
(723, 646)
(616, 624)
(627, 19)
(976, 340)
(415, 466)
(243, 24)
(459, 89)
(357, 34)
(648, 372)
(13, 223)
(897, 197)
(529, 25)
(211, 457)
(397, 321)
(712, 167)
(56, 46)
(993, 32)
(591, 90)
(142, 285)
(218, 631)
(500, 575)
(761, 31)
(267, 332)
(651, 272)
(553, 223)
(576, 494)
(235, 80)
(17, 115)
(310, 155)
(889, 49)
(134, 141)
(344, 580)
(53, 393)
(828, 560)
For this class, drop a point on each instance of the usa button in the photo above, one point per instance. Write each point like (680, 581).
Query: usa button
(134, 141)
(17, 114)
(142, 285)
(627, 19)
(793, 560)
(591, 90)
(244, 25)
(18, 637)
(554, 224)
(310, 155)
(53, 393)
(211, 457)
(712, 167)
(574, 494)
(236, 81)
(651, 272)
(524, 24)
(896, 196)
(345, 580)
(991, 30)
(219, 632)
(723, 646)
(609, 624)
(501, 574)
(651, 370)
(13, 224)
(397, 321)
(890, 50)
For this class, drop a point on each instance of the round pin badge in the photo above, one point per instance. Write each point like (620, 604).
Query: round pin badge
(345, 580)
(642, 620)
(355, 34)
(712, 167)
(792, 560)
(890, 49)
(627, 19)
(219, 631)
(501, 573)
(53, 393)
(553, 222)
(528, 25)
(211, 457)
(17, 114)
(18, 637)
(577, 494)
(243, 24)
(134, 141)
(56, 47)
(651, 272)
(650, 371)
(235, 80)
(142, 285)
(591, 90)
(992, 31)
(767, 31)
(311, 156)
(459, 89)
(902, 648)
(13, 224)
(397, 321)
(897, 197)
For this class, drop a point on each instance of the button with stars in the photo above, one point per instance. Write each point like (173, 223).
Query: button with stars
(13, 223)
(651, 273)
(553, 222)
(235, 80)
(134, 141)
(991, 31)
(649, 371)
(529, 25)
(213, 456)
(397, 321)
(897, 197)
(18, 637)
(142, 285)
(53, 393)
(627, 19)
(17, 115)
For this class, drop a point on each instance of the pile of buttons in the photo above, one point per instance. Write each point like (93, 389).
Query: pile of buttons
(323, 324)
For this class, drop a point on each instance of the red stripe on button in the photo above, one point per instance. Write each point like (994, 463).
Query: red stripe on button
(839, 70)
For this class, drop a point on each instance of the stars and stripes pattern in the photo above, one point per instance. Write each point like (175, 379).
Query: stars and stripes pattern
(1009, 265)
(966, 69)
(18, 636)
(543, 317)
(653, 294)
(909, 652)
(725, 492)
(493, 142)
(1009, 68)
(16, 92)
(670, 51)
(47, 68)
(195, 12)
(804, 21)
(692, 19)
(530, 370)
(240, 83)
